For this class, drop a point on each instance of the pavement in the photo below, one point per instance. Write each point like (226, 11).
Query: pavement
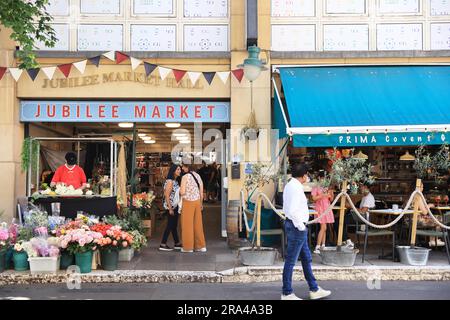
(341, 290)
(220, 264)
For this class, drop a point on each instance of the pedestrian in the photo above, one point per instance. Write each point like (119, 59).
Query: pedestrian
(203, 172)
(212, 183)
(295, 207)
(170, 203)
(322, 198)
(191, 192)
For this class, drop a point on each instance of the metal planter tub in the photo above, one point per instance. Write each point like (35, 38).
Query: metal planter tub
(414, 256)
(262, 256)
(342, 258)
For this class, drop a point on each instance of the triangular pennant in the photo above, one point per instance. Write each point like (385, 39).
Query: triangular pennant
(81, 66)
(16, 73)
(223, 75)
(163, 72)
(95, 60)
(149, 67)
(33, 73)
(209, 76)
(194, 76)
(179, 74)
(49, 72)
(238, 74)
(65, 69)
(110, 55)
(2, 72)
(135, 63)
(120, 57)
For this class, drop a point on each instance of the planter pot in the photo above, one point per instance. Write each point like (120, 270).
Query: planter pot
(44, 264)
(257, 256)
(2, 260)
(67, 259)
(344, 258)
(20, 260)
(109, 258)
(84, 261)
(126, 254)
(414, 256)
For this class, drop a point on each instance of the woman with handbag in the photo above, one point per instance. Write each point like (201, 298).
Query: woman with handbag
(170, 203)
(191, 192)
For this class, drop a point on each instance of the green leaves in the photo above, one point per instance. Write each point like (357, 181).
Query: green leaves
(30, 23)
(428, 165)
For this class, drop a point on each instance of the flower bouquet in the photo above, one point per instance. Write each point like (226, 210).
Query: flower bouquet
(81, 243)
(43, 254)
(115, 239)
(4, 245)
(20, 257)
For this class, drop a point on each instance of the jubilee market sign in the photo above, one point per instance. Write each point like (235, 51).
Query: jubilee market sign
(376, 139)
(112, 77)
(124, 111)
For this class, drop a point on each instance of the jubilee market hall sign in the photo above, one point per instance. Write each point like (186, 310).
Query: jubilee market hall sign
(124, 111)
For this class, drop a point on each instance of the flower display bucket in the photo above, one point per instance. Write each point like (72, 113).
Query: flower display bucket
(44, 264)
(67, 259)
(109, 259)
(414, 256)
(20, 260)
(9, 258)
(262, 256)
(84, 261)
(126, 254)
(2, 260)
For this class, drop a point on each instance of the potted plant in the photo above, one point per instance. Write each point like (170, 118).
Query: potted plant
(114, 240)
(81, 243)
(143, 202)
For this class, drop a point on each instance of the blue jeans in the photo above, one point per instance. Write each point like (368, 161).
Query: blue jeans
(297, 245)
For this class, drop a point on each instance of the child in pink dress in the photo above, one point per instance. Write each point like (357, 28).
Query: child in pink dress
(322, 198)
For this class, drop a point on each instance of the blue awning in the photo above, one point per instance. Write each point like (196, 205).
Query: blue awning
(367, 105)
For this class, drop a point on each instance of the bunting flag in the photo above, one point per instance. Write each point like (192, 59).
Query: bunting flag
(209, 76)
(194, 76)
(110, 55)
(81, 66)
(95, 60)
(2, 72)
(179, 74)
(135, 63)
(49, 72)
(223, 75)
(163, 72)
(149, 68)
(33, 73)
(65, 69)
(16, 73)
(120, 57)
(238, 74)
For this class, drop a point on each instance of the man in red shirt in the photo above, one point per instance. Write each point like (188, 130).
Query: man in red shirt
(70, 174)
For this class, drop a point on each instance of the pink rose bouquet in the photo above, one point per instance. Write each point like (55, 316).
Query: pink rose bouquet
(115, 238)
(79, 240)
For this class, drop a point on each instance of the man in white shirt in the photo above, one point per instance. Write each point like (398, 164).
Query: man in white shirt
(295, 207)
(367, 203)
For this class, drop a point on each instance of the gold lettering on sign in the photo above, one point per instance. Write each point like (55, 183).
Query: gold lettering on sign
(111, 77)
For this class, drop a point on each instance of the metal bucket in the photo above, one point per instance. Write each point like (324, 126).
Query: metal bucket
(343, 258)
(262, 256)
(414, 256)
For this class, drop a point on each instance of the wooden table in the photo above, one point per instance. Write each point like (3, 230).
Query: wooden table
(391, 211)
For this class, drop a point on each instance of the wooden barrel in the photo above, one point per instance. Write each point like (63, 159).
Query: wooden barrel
(232, 217)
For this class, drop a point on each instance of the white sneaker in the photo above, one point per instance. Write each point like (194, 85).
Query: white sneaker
(439, 242)
(291, 296)
(317, 250)
(201, 250)
(187, 251)
(319, 294)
